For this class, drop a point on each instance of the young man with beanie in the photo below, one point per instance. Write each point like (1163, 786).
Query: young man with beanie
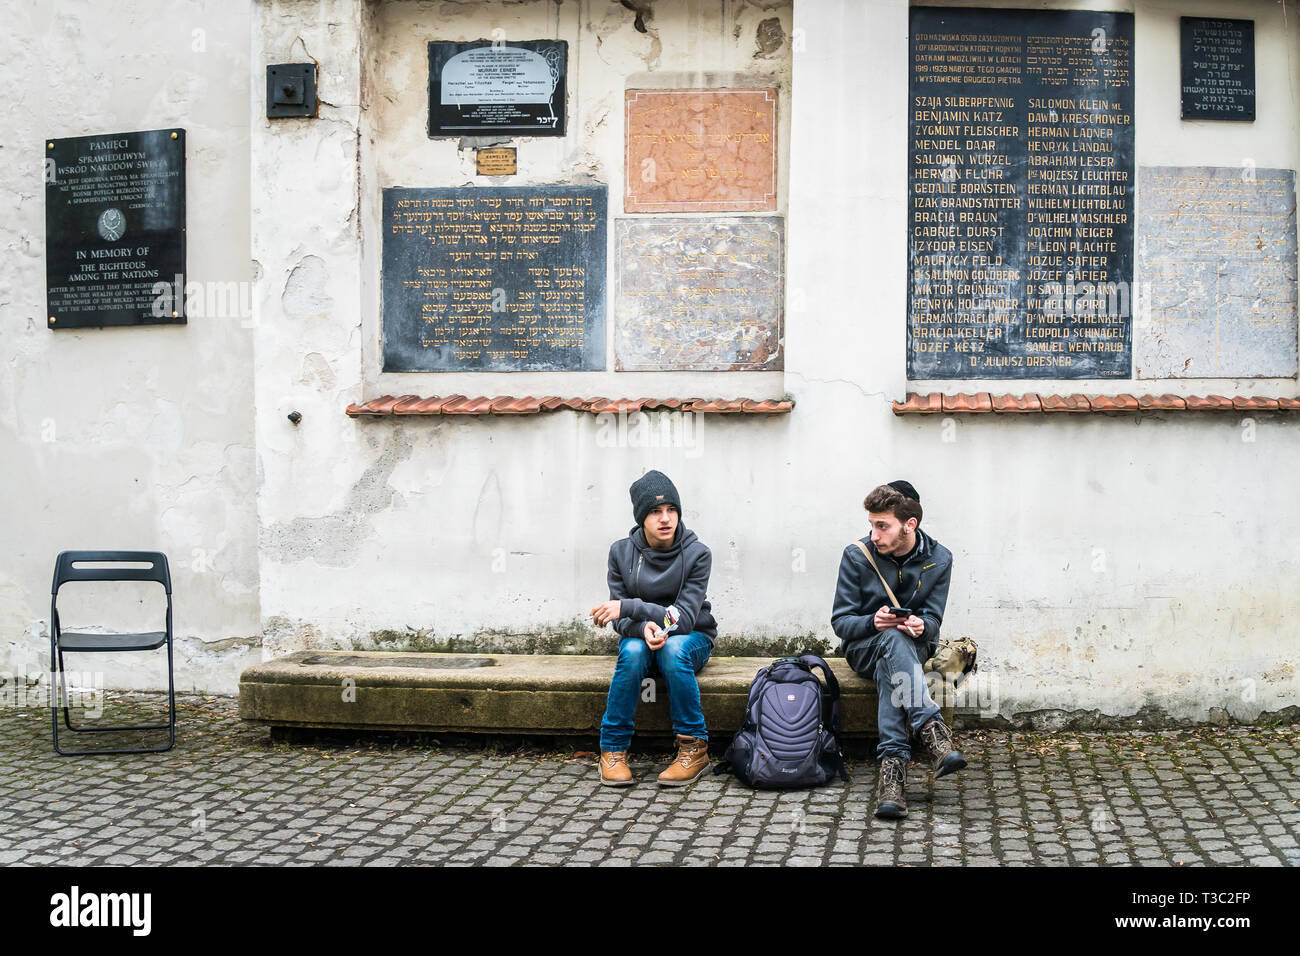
(658, 579)
(891, 649)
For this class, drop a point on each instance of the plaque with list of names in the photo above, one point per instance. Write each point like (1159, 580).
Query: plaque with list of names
(1218, 69)
(115, 229)
(486, 86)
(494, 279)
(1020, 218)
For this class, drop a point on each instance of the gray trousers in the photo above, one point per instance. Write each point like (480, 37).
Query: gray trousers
(894, 659)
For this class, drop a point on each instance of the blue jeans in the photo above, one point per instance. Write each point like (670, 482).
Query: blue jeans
(678, 661)
(893, 659)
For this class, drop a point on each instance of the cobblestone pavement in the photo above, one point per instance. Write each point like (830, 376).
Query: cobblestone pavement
(229, 794)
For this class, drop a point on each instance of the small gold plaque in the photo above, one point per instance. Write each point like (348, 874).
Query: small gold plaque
(498, 161)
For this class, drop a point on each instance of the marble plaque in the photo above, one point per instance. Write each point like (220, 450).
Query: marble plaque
(494, 279)
(1218, 69)
(1020, 217)
(115, 229)
(1217, 271)
(702, 294)
(700, 150)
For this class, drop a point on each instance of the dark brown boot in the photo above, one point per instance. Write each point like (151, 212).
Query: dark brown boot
(944, 757)
(891, 804)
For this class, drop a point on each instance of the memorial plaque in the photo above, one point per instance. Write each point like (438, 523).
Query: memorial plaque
(701, 293)
(1217, 265)
(115, 229)
(1218, 59)
(1021, 194)
(487, 86)
(700, 150)
(507, 278)
(500, 161)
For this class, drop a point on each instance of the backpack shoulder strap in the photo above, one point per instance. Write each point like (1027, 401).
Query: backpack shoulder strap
(832, 686)
(888, 590)
(813, 661)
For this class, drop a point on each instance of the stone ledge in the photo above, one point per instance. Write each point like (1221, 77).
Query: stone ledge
(978, 403)
(553, 694)
(509, 405)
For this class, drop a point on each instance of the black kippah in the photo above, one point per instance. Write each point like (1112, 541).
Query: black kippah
(905, 488)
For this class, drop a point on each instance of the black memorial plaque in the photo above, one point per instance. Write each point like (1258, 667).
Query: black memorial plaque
(1020, 218)
(488, 86)
(494, 279)
(1218, 59)
(115, 229)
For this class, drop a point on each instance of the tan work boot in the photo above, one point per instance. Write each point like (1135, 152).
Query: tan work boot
(891, 804)
(944, 757)
(692, 760)
(614, 771)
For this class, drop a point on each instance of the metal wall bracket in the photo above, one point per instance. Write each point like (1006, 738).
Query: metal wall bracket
(290, 90)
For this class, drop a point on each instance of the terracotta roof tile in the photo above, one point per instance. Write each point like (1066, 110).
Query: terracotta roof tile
(917, 404)
(1123, 402)
(505, 405)
(360, 411)
(403, 404)
(1068, 403)
(423, 406)
(769, 406)
(1161, 403)
(979, 402)
(1017, 404)
(528, 405)
(1078, 403)
(551, 402)
(460, 405)
(1208, 403)
(1255, 403)
(384, 404)
(719, 405)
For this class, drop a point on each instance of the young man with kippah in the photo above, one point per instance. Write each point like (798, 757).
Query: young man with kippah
(658, 579)
(891, 648)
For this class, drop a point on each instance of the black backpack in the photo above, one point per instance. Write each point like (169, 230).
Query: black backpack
(790, 737)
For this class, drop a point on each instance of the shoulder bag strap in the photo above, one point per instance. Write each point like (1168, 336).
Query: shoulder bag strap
(888, 590)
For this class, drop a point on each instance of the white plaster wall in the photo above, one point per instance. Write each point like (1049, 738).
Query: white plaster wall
(128, 438)
(1104, 565)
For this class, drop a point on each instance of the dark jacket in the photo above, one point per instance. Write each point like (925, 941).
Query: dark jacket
(646, 581)
(919, 580)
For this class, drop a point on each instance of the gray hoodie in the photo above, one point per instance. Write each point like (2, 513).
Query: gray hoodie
(646, 581)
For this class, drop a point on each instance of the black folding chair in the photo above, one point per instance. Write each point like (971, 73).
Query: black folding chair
(65, 571)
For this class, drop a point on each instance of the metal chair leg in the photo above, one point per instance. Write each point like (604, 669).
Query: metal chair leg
(170, 726)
